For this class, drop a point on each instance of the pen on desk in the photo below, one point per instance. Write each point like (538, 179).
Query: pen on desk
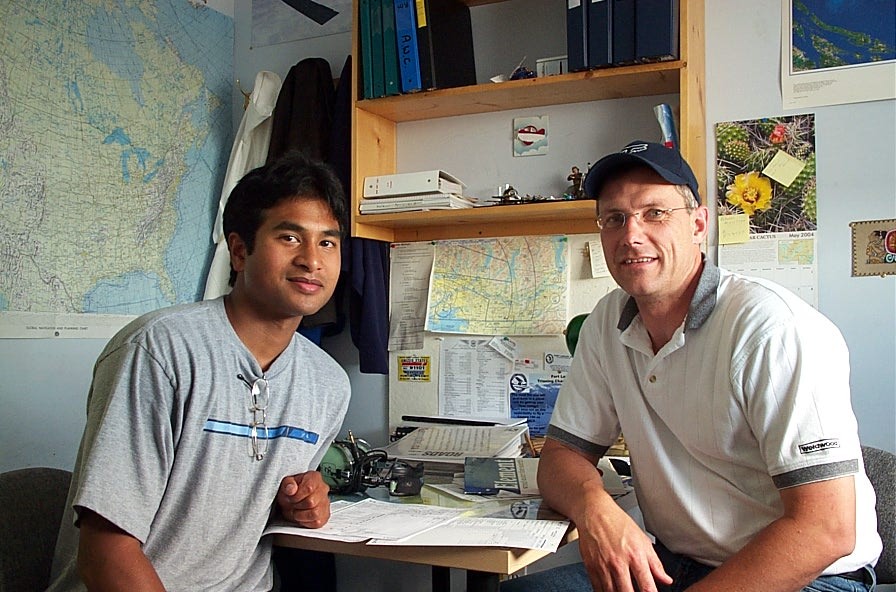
(531, 445)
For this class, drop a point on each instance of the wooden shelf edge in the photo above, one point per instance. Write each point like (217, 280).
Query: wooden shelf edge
(575, 87)
(560, 217)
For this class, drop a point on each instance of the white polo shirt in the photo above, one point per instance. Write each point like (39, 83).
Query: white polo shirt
(751, 395)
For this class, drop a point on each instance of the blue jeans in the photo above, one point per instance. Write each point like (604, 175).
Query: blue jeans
(684, 571)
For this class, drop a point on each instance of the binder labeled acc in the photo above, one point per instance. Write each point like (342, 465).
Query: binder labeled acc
(420, 182)
(408, 55)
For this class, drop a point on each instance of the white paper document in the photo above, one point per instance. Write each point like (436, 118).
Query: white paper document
(373, 519)
(472, 376)
(454, 443)
(409, 268)
(544, 535)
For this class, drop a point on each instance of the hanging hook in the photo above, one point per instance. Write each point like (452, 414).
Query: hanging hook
(246, 95)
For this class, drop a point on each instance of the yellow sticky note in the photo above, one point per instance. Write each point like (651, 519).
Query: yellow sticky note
(783, 168)
(734, 229)
(421, 13)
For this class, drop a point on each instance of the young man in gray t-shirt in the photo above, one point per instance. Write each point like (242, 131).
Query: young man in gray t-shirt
(205, 418)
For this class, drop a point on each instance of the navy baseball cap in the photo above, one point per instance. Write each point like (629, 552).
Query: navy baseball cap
(667, 162)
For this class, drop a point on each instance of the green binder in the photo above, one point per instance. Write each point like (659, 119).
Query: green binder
(390, 49)
(366, 48)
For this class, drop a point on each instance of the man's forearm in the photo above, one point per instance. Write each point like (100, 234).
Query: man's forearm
(567, 480)
(109, 559)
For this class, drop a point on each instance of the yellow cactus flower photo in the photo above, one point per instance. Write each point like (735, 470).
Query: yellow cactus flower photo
(743, 151)
(751, 192)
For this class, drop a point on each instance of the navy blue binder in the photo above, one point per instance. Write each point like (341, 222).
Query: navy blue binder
(656, 30)
(600, 33)
(577, 34)
(623, 31)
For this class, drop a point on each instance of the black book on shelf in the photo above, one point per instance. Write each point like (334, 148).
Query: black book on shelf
(600, 33)
(656, 30)
(623, 31)
(445, 44)
(577, 34)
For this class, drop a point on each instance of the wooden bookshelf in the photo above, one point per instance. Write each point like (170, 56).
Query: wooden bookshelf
(374, 136)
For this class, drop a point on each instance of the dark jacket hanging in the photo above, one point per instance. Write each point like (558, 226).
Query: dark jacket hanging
(303, 115)
(365, 261)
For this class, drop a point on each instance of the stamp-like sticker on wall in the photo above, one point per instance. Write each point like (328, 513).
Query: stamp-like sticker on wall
(874, 247)
(530, 136)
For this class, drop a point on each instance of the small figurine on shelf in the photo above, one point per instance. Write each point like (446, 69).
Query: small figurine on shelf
(510, 195)
(575, 190)
(521, 71)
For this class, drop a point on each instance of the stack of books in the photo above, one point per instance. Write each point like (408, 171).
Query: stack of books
(414, 45)
(408, 192)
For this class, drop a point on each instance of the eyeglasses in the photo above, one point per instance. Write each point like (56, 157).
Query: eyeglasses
(616, 220)
(259, 394)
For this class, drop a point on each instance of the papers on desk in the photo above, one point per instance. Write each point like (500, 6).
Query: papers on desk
(372, 519)
(544, 535)
(385, 523)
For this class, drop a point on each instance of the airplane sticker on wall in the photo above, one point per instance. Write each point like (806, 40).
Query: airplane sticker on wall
(530, 136)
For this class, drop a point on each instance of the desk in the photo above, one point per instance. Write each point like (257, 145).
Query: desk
(484, 565)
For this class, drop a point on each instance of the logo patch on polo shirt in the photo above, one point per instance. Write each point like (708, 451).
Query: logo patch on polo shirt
(819, 445)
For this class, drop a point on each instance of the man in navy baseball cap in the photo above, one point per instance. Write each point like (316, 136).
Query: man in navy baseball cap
(733, 395)
(667, 162)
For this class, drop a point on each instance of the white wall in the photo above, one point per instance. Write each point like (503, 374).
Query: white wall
(856, 153)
